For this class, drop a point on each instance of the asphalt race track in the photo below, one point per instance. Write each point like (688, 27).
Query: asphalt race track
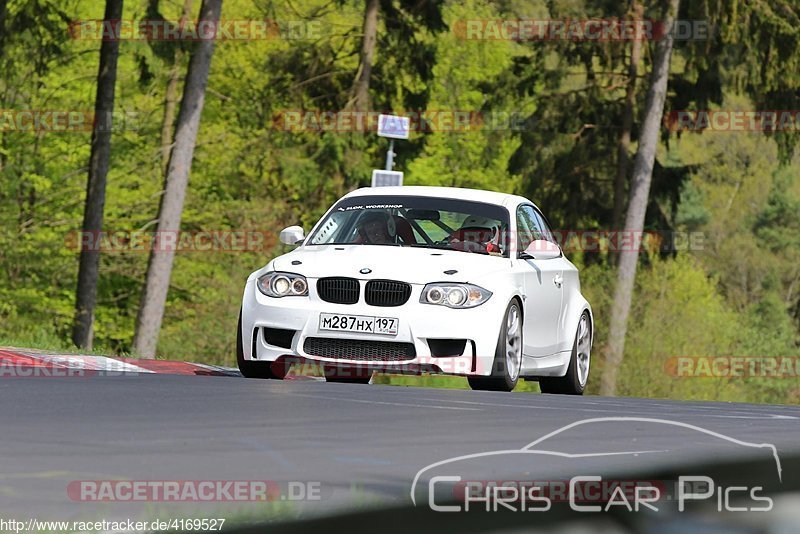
(362, 445)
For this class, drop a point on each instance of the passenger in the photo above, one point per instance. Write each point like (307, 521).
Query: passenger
(476, 234)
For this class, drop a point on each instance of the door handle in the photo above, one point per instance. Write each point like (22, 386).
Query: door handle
(558, 280)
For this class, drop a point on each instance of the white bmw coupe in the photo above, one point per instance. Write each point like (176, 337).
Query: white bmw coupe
(421, 279)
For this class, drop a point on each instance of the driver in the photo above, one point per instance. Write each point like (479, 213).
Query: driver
(375, 228)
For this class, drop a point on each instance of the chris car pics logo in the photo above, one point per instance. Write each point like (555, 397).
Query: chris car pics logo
(450, 488)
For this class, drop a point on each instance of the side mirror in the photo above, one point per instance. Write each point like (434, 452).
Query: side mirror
(292, 235)
(541, 250)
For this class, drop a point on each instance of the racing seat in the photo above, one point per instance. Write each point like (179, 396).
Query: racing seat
(404, 230)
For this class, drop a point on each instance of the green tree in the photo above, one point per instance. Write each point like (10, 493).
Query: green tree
(159, 268)
(639, 196)
(99, 161)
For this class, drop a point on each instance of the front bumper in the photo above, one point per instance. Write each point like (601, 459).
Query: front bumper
(421, 327)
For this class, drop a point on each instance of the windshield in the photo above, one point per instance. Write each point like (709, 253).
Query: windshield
(413, 221)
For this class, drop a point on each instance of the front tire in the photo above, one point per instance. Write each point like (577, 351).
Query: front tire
(251, 369)
(507, 356)
(574, 382)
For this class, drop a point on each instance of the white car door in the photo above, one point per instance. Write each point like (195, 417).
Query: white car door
(543, 287)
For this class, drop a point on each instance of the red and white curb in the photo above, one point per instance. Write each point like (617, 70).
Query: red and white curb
(27, 362)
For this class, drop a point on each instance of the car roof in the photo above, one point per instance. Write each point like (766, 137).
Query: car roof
(460, 193)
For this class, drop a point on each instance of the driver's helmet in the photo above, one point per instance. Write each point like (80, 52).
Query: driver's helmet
(476, 233)
(376, 227)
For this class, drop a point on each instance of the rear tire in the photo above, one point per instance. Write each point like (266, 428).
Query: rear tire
(507, 356)
(574, 382)
(255, 369)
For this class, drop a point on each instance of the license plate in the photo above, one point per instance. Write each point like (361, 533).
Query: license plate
(358, 323)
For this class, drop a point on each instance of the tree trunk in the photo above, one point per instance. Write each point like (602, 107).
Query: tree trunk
(359, 94)
(171, 97)
(624, 143)
(637, 207)
(86, 295)
(3, 16)
(159, 268)
(170, 103)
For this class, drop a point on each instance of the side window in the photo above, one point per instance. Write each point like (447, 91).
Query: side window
(526, 227)
(543, 228)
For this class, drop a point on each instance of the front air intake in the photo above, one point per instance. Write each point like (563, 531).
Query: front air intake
(359, 349)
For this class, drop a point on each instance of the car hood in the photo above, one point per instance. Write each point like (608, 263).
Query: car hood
(413, 265)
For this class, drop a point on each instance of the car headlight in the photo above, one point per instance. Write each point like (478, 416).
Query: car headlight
(278, 284)
(454, 295)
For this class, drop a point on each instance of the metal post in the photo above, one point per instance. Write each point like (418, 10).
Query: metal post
(390, 155)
